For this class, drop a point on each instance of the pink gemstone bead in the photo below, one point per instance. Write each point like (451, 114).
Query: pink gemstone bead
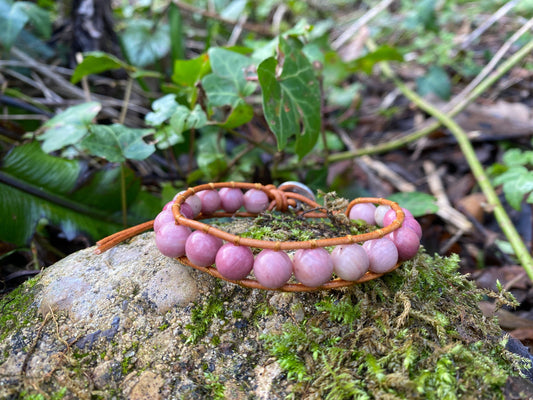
(201, 248)
(163, 218)
(272, 268)
(382, 255)
(210, 201)
(406, 241)
(381, 210)
(194, 202)
(231, 199)
(312, 267)
(234, 262)
(170, 239)
(414, 225)
(185, 209)
(255, 201)
(363, 211)
(350, 261)
(391, 216)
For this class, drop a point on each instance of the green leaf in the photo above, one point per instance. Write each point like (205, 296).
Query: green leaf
(118, 143)
(227, 85)
(177, 36)
(210, 160)
(39, 18)
(514, 157)
(68, 127)
(163, 108)
(189, 72)
(145, 42)
(417, 202)
(35, 185)
(436, 81)
(367, 62)
(516, 182)
(96, 62)
(181, 120)
(12, 20)
(239, 115)
(292, 98)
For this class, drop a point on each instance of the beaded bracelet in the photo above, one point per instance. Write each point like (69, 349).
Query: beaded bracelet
(200, 245)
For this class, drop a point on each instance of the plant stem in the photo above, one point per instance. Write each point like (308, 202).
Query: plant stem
(127, 96)
(123, 195)
(460, 106)
(503, 219)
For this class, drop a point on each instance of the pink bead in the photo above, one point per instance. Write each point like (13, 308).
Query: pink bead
(168, 205)
(255, 201)
(365, 212)
(234, 262)
(312, 267)
(201, 248)
(406, 241)
(170, 239)
(350, 261)
(194, 202)
(210, 201)
(391, 216)
(382, 255)
(272, 268)
(163, 218)
(414, 225)
(380, 212)
(231, 199)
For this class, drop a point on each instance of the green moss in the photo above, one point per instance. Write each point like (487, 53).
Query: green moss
(215, 387)
(15, 308)
(203, 314)
(416, 333)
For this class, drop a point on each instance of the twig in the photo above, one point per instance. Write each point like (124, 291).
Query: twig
(493, 200)
(485, 25)
(365, 18)
(431, 126)
(237, 30)
(261, 29)
(126, 103)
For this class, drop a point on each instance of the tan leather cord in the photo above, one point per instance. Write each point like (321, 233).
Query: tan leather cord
(280, 200)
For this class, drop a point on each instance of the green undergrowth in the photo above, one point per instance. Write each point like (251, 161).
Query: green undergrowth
(416, 333)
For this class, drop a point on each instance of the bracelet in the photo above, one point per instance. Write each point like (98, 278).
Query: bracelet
(181, 234)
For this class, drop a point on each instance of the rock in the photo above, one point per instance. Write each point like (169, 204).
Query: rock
(131, 323)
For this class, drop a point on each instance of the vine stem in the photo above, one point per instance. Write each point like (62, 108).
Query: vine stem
(502, 218)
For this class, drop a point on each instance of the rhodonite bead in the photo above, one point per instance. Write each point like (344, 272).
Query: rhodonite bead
(391, 216)
(255, 201)
(234, 262)
(407, 242)
(272, 269)
(210, 201)
(170, 239)
(163, 218)
(193, 201)
(312, 267)
(201, 248)
(350, 261)
(380, 212)
(382, 254)
(363, 211)
(414, 225)
(231, 199)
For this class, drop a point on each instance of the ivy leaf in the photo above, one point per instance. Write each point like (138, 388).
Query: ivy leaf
(96, 62)
(417, 202)
(39, 18)
(189, 72)
(516, 182)
(118, 143)
(145, 42)
(436, 81)
(181, 120)
(367, 62)
(35, 185)
(292, 98)
(12, 20)
(227, 84)
(241, 114)
(68, 127)
(163, 108)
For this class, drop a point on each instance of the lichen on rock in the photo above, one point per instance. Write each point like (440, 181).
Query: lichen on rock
(131, 322)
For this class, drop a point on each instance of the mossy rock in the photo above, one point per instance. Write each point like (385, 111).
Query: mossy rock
(113, 327)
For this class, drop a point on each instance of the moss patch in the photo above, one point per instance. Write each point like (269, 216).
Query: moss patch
(416, 333)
